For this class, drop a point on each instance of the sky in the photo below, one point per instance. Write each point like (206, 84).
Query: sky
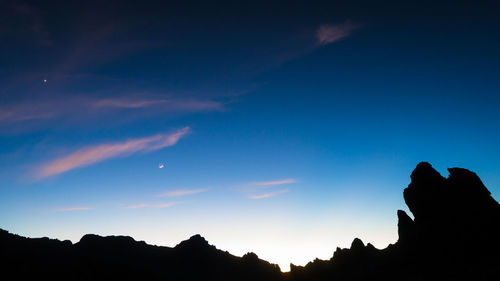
(284, 128)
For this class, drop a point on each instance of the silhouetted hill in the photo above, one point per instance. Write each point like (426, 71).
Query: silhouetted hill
(453, 236)
(122, 258)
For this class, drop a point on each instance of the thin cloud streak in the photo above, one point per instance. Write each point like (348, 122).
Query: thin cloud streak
(94, 154)
(173, 105)
(330, 33)
(77, 208)
(183, 192)
(194, 105)
(27, 111)
(267, 195)
(156, 206)
(276, 182)
(83, 107)
(127, 103)
(138, 206)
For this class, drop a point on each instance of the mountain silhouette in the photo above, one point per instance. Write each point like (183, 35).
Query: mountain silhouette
(453, 236)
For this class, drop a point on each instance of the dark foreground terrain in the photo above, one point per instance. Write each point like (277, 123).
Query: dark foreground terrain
(454, 235)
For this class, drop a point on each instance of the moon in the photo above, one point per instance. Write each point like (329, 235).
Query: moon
(161, 166)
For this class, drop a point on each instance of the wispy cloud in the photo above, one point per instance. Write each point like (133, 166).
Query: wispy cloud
(163, 105)
(267, 195)
(182, 192)
(138, 206)
(275, 182)
(85, 107)
(196, 105)
(156, 206)
(93, 154)
(330, 33)
(27, 111)
(127, 103)
(77, 208)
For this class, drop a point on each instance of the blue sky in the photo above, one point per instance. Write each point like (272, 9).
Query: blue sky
(286, 129)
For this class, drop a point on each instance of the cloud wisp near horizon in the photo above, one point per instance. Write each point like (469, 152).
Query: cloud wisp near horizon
(97, 153)
(183, 192)
(275, 182)
(155, 206)
(269, 194)
(256, 186)
(76, 208)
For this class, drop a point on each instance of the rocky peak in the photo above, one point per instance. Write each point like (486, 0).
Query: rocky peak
(195, 241)
(357, 244)
(250, 256)
(406, 227)
(426, 192)
(466, 187)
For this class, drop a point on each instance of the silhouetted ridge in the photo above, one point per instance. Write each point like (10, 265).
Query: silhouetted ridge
(453, 236)
(96, 240)
(196, 241)
(250, 256)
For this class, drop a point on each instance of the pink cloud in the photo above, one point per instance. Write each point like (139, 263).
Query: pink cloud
(276, 182)
(138, 206)
(182, 192)
(267, 195)
(156, 206)
(165, 205)
(330, 33)
(77, 208)
(27, 111)
(79, 107)
(163, 105)
(94, 154)
(127, 103)
(196, 105)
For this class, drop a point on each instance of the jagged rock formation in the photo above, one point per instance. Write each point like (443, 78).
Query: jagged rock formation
(453, 236)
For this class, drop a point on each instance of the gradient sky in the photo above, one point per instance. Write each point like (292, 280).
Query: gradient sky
(283, 128)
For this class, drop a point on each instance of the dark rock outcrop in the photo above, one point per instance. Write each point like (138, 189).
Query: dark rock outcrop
(406, 228)
(453, 236)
